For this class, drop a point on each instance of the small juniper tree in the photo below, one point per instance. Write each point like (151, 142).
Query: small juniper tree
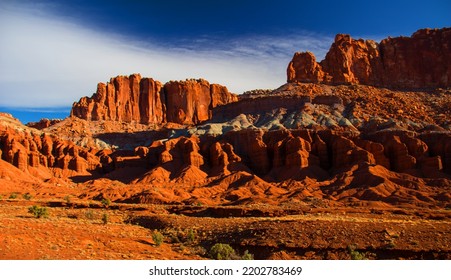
(38, 212)
(106, 202)
(105, 218)
(221, 251)
(157, 237)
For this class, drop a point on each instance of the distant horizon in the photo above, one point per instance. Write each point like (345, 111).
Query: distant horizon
(55, 52)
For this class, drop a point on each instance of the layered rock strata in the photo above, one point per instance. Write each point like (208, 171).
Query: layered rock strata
(25, 150)
(146, 101)
(268, 153)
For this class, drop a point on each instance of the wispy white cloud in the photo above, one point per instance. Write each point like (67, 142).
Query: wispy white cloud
(50, 62)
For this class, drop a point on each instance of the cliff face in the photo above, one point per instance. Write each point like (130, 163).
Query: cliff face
(338, 144)
(188, 101)
(146, 101)
(278, 154)
(420, 61)
(25, 150)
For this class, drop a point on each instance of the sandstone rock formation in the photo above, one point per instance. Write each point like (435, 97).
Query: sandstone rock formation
(420, 61)
(24, 150)
(270, 154)
(188, 101)
(303, 67)
(43, 123)
(189, 142)
(123, 99)
(146, 101)
(222, 157)
(221, 96)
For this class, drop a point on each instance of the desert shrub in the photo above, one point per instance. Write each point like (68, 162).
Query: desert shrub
(191, 236)
(106, 202)
(105, 218)
(13, 196)
(38, 212)
(89, 214)
(157, 237)
(175, 239)
(247, 256)
(390, 244)
(221, 251)
(356, 255)
(27, 196)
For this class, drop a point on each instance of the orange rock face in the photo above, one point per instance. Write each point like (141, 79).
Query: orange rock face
(303, 67)
(127, 99)
(146, 101)
(249, 145)
(188, 101)
(150, 104)
(24, 150)
(43, 123)
(221, 158)
(221, 96)
(271, 153)
(420, 61)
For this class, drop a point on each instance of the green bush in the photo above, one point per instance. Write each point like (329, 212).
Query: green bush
(221, 251)
(38, 212)
(356, 255)
(89, 214)
(13, 196)
(191, 236)
(247, 256)
(106, 202)
(157, 237)
(27, 196)
(105, 218)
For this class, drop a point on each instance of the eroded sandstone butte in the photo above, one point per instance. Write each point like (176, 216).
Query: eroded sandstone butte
(25, 150)
(420, 61)
(303, 142)
(146, 101)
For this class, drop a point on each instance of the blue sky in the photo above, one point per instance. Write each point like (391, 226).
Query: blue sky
(54, 52)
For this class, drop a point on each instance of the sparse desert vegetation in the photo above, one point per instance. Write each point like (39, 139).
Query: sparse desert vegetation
(38, 212)
(88, 231)
(350, 159)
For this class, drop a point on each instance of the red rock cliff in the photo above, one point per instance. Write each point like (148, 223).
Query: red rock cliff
(144, 100)
(420, 61)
